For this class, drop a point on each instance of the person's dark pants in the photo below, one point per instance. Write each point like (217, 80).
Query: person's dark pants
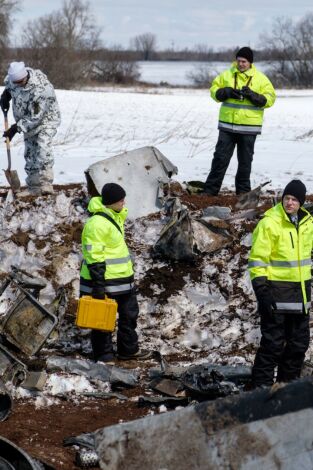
(127, 338)
(284, 342)
(223, 152)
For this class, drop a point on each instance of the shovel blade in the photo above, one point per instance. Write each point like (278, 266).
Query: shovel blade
(13, 179)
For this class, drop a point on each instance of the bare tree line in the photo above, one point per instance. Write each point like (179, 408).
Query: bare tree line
(66, 45)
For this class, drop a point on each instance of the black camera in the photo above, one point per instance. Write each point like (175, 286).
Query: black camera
(241, 95)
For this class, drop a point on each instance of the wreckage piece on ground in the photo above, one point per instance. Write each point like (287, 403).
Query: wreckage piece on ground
(13, 457)
(263, 428)
(28, 323)
(201, 382)
(141, 172)
(5, 403)
(184, 236)
(95, 371)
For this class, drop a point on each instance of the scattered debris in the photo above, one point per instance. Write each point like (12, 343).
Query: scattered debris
(5, 402)
(142, 173)
(115, 375)
(119, 446)
(251, 199)
(87, 459)
(170, 402)
(185, 236)
(13, 457)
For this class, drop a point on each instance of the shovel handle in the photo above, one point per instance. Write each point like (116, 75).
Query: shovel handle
(7, 140)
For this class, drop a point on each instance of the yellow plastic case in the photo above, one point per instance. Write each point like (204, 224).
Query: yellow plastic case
(97, 314)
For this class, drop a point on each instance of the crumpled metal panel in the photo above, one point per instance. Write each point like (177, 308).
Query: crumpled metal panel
(139, 172)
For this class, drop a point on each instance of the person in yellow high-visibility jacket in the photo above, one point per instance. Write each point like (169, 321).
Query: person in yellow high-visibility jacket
(244, 92)
(280, 270)
(107, 269)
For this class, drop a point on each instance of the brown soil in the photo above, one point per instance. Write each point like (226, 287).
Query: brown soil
(169, 278)
(40, 432)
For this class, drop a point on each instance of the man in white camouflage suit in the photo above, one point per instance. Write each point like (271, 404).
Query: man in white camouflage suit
(37, 115)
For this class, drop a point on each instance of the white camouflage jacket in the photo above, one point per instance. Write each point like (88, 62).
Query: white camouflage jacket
(35, 107)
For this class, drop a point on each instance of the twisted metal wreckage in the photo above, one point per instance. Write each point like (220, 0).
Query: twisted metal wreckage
(214, 427)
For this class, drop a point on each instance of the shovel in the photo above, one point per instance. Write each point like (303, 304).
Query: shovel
(11, 175)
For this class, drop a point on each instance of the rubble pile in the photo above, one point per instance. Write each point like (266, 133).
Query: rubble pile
(197, 312)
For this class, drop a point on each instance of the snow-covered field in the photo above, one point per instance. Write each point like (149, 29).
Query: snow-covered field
(181, 123)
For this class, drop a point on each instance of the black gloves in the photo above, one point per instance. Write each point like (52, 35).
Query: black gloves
(10, 133)
(255, 98)
(266, 303)
(5, 101)
(264, 296)
(97, 271)
(224, 94)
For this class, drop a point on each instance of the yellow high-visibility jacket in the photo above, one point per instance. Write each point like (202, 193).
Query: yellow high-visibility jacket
(280, 258)
(242, 116)
(102, 242)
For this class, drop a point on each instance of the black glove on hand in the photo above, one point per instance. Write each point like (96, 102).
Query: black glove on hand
(223, 94)
(5, 101)
(266, 304)
(98, 292)
(255, 98)
(97, 271)
(10, 133)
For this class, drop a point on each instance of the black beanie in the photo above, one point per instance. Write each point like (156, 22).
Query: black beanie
(111, 193)
(297, 189)
(246, 53)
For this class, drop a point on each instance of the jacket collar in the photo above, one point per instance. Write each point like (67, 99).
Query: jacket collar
(248, 73)
(278, 213)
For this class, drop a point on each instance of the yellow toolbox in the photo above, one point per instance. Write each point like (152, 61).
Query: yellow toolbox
(98, 314)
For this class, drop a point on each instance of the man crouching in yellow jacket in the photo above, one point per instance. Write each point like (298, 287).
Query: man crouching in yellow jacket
(107, 269)
(280, 270)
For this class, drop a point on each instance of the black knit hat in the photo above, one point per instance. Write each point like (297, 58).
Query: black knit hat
(297, 189)
(246, 53)
(111, 193)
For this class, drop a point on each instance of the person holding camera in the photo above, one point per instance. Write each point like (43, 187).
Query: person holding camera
(244, 92)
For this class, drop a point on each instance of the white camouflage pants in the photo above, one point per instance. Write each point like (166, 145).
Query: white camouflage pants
(39, 159)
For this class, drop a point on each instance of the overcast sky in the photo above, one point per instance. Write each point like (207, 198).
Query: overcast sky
(179, 23)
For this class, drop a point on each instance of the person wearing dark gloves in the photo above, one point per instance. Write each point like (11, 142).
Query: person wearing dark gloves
(280, 270)
(37, 117)
(244, 93)
(10, 133)
(5, 101)
(228, 92)
(107, 269)
(256, 98)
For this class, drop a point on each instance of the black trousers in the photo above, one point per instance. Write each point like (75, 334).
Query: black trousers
(284, 342)
(223, 152)
(127, 338)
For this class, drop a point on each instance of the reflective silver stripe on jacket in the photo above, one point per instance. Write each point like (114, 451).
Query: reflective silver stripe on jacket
(114, 260)
(243, 106)
(291, 305)
(86, 289)
(89, 247)
(239, 128)
(118, 260)
(119, 288)
(280, 264)
(290, 264)
(253, 264)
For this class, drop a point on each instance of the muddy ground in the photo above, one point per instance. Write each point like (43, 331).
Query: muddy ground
(40, 431)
